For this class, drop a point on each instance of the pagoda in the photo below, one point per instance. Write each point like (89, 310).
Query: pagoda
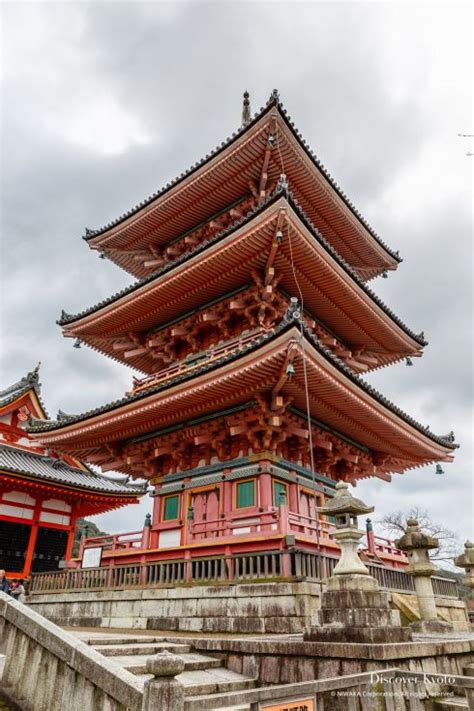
(42, 493)
(251, 322)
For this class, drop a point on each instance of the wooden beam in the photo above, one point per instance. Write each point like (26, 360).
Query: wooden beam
(298, 431)
(150, 263)
(123, 345)
(97, 458)
(156, 341)
(110, 466)
(179, 331)
(239, 429)
(135, 352)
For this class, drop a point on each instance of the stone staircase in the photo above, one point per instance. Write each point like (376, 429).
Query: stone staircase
(204, 678)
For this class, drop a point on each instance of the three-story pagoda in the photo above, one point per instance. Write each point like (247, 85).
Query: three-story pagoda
(251, 322)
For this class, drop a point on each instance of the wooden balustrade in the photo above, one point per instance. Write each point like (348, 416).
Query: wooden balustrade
(444, 587)
(267, 565)
(193, 361)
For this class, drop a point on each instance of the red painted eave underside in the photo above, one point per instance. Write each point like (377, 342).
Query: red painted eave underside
(330, 293)
(225, 179)
(334, 398)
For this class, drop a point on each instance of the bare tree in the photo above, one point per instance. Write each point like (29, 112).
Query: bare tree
(395, 525)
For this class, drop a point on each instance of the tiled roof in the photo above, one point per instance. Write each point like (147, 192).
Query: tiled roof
(19, 461)
(281, 189)
(291, 319)
(29, 382)
(274, 101)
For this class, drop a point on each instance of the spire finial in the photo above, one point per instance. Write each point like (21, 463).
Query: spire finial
(246, 109)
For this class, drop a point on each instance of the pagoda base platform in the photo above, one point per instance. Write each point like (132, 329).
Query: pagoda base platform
(273, 608)
(252, 608)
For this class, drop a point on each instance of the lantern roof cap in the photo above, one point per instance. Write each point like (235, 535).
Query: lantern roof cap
(415, 539)
(343, 502)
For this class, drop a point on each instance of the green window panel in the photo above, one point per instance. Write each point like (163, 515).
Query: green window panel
(171, 508)
(245, 494)
(278, 488)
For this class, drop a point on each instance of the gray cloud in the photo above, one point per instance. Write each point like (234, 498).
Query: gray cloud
(103, 103)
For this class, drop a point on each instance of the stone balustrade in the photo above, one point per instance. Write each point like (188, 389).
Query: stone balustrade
(49, 669)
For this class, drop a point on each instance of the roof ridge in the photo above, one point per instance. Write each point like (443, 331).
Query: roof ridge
(30, 381)
(280, 189)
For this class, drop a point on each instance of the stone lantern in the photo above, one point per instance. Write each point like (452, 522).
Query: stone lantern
(353, 608)
(417, 544)
(345, 508)
(466, 561)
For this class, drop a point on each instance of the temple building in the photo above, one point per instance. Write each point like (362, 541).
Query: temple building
(42, 493)
(251, 322)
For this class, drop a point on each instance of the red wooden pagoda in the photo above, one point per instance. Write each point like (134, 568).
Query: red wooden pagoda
(251, 322)
(41, 492)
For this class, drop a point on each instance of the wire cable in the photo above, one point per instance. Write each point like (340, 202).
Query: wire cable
(303, 353)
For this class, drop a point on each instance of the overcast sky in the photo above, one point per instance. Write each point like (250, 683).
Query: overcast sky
(103, 103)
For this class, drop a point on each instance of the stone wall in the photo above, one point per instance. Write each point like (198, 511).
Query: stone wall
(274, 608)
(47, 669)
(288, 662)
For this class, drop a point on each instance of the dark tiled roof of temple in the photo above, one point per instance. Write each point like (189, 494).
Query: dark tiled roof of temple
(274, 100)
(29, 382)
(33, 464)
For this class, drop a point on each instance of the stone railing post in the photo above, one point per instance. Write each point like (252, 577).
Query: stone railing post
(417, 544)
(466, 561)
(164, 691)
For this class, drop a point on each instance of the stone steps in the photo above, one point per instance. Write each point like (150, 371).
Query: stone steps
(203, 676)
(93, 639)
(121, 650)
(192, 662)
(216, 702)
(208, 682)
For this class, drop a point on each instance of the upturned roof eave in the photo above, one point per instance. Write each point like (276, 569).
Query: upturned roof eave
(96, 236)
(287, 323)
(67, 319)
(116, 489)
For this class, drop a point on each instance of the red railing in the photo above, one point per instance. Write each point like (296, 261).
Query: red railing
(384, 546)
(291, 564)
(114, 542)
(237, 525)
(194, 360)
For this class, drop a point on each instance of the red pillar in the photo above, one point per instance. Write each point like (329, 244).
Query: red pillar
(226, 501)
(266, 499)
(156, 516)
(70, 539)
(32, 540)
